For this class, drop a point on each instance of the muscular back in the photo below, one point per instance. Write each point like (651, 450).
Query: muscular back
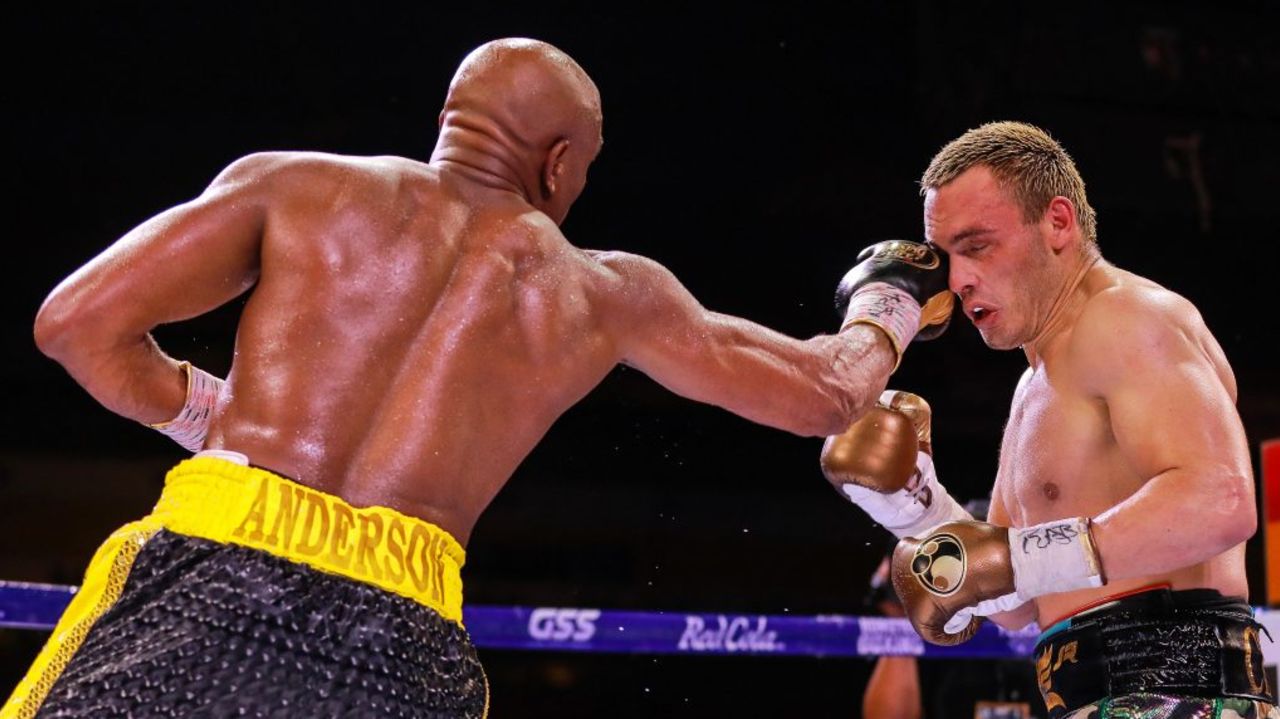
(1106, 413)
(409, 339)
(413, 330)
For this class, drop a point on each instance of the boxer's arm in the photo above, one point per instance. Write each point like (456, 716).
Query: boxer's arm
(1175, 422)
(181, 263)
(812, 387)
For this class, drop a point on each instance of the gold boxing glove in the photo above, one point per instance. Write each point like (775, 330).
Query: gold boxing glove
(883, 463)
(962, 571)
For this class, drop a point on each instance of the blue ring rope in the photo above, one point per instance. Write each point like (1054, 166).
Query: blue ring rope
(38, 606)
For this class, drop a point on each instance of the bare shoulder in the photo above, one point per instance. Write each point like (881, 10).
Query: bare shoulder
(1135, 309)
(1132, 326)
(630, 276)
(315, 171)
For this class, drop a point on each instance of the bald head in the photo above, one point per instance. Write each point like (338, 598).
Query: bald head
(516, 100)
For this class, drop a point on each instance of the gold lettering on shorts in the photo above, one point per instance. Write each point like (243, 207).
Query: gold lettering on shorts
(316, 507)
(430, 565)
(1065, 654)
(417, 558)
(1044, 676)
(439, 570)
(340, 549)
(395, 550)
(366, 547)
(257, 514)
(286, 515)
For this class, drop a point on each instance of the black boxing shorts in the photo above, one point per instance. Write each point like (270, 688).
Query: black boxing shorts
(1159, 645)
(246, 594)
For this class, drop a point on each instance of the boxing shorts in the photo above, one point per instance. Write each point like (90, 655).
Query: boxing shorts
(246, 594)
(1156, 653)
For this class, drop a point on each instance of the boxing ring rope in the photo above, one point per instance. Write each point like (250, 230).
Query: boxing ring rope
(38, 606)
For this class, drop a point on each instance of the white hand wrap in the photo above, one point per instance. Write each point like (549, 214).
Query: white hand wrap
(191, 425)
(985, 608)
(1053, 557)
(893, 310)
(1056, 556)
(913, 510)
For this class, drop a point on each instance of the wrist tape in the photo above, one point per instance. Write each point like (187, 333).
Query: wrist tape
(191, 425)
(1053, 557)
(913, 510)
(895, 312)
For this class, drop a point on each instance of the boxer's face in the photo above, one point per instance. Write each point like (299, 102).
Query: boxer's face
(1000, 264)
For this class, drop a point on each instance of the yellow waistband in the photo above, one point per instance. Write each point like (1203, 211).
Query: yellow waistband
(234, 504)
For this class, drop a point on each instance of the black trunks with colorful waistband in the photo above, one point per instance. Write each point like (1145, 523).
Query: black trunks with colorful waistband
(1194, 643)
(246, 594)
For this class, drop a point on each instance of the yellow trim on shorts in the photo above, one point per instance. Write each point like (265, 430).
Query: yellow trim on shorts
(230, 503)
(103, 582)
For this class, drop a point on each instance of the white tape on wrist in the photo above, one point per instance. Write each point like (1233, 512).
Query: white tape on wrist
(191, 425)
(960, 620)
(1053, 557)
(894, 311)
(913, 510)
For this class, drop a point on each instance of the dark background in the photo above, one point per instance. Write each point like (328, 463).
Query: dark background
(754, 152)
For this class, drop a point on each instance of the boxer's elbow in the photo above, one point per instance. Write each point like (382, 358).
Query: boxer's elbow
(1236, 518)
(55, 328)
(1233, 517)
(66, 330)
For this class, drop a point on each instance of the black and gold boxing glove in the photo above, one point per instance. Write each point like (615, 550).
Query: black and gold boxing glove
(899, 287)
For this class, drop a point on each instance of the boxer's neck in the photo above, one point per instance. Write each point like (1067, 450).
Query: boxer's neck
(484, 155)
(1066, 306)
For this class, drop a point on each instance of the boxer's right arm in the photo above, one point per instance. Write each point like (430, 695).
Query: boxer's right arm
(884, 464)
(181, 263)
(811, 387)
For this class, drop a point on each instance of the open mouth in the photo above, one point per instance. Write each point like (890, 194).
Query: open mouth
(981, 315)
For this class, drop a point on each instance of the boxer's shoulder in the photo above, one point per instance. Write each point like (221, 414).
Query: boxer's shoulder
(1136, 311)
(319, 171)
(1131, 327)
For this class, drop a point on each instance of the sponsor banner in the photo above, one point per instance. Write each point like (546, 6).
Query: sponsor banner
(885, 635)
(38, 606)
(602, 630)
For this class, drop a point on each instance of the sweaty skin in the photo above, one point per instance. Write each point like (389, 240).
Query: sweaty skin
(1126, 413)
(412, 330)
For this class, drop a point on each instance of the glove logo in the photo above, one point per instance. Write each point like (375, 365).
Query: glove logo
(939, 564)
(912, 253)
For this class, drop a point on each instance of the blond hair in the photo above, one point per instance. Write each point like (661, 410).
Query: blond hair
(1025, 160)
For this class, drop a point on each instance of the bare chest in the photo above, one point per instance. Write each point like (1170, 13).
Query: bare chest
(1058, 456)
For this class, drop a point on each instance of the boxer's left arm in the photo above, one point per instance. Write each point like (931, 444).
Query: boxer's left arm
(1150, 360)
(181, 263)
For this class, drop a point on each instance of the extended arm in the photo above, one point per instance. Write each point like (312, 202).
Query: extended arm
(810, 387)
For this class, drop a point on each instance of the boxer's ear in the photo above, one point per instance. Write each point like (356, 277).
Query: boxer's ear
(553, 167)
(1060, 221)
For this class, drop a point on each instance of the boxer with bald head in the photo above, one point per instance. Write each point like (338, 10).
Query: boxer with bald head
(411, 332)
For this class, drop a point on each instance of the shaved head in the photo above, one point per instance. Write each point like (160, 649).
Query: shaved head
(535, 88)
(515, 100)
